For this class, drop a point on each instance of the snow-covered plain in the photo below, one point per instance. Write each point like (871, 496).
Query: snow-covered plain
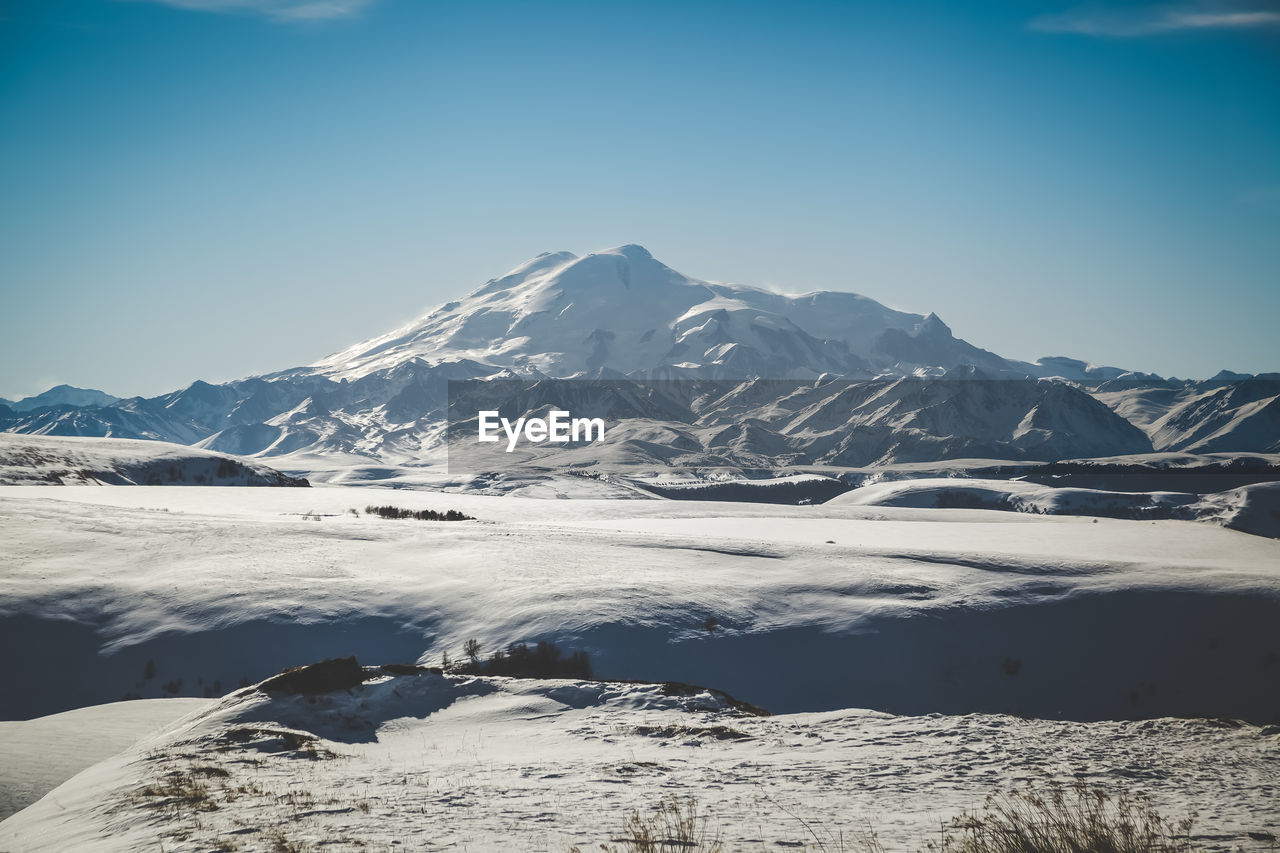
(1254, 508)
(920, 606)
(810, 611)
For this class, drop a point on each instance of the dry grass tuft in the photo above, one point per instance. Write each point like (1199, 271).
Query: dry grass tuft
(177, 789)
(1052, 818)
(672, 827)
(1058, 819)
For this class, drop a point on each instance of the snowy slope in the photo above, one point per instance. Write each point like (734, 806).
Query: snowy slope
(958, 617)
(31, 459)
(1226, 418)
(431, 762)
(37, 756)
(1075, 370)
(1229, 413)
(621, 309)
(1252, 509)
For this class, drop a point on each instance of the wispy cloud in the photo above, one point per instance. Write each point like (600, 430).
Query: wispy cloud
(1157, 19)
(280, 10)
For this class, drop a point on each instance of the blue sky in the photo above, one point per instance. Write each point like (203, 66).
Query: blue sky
(217, 188)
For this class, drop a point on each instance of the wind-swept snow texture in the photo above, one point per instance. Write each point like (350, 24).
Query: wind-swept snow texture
(810, 608)
(37, 756)
(39, 459)
(427, 761)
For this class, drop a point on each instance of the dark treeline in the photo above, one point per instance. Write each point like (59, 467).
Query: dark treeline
(519, 660)
(420, 515)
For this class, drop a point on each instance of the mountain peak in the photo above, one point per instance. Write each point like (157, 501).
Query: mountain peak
(631, 251)
(932, 325)
(621, 308)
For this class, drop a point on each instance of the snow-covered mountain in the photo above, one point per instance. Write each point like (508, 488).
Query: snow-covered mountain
(861, 383)
(763, 423)
(61, 395)
(1222, 414)
(622, 310)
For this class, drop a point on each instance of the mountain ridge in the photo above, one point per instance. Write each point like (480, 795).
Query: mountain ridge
(620, 314)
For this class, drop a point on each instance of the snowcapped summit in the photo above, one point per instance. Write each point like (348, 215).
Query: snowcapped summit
(621, 309)
(632, 251)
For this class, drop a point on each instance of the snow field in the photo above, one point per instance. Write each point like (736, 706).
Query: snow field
(430, 762)
(814, 608)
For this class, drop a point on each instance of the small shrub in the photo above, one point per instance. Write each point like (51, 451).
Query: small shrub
(323, 677)
(280, 843)
(677, 731)
(210, 771)
(177, 788)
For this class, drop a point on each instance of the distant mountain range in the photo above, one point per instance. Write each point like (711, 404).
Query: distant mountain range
(61, 395)
(865, 384)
